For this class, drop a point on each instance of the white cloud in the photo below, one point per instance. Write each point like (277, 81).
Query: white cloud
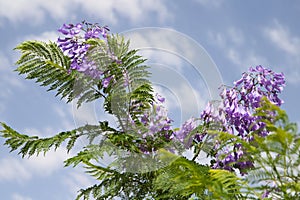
(63, 111)
(177, 58)
(281, 37)
(183, 101)
(234, 56)
(20, 11)
(38, 10)
(191, 101)
(48, 164)
(20, 170)
(244, 61)
(76, 180)
(8, 77)
(217, 38)
(20, 197)
(178, 69)
(90, 113)
(236, 36)
(57, 9)
(134, 10)
(230, 37)
(293, 76)
(9, 81)
(157, 45)
(13, 169)
(210, 3)
(232, 43)
(86, 114)
(45, 36)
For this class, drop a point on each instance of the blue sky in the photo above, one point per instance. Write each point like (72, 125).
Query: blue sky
(234, 34)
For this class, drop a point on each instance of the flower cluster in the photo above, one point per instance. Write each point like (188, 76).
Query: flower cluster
(75, 45)
(156, 126)
(235, 113)
(232, 157)
(183, 134)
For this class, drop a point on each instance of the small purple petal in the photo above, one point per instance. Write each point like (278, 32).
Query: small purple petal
(160, 98)
(106, 81)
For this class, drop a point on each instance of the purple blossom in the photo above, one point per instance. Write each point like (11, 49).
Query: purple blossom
(74, 44)
(156, 118)
(89, 69)
(265, 194)
(106, 81)
(160, 98)
(96, 32)
(144, 119)
(70, 29)
(235, 113)
(156, 126)
(183, 134)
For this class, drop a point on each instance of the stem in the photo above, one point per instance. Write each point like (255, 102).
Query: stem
(200, 148)
(98, 92)
(274, 168)
(197, 153)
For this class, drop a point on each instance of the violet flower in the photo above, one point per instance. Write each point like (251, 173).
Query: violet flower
(74, 44)
(235, 113)
(156, 125)
(106, 81)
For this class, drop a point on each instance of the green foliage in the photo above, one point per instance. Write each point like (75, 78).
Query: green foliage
(126, 97)
(131, 91)
(225, 185)
(47, 64)
(184, 178)
(276, 156)
(123, 185)
(30, 145)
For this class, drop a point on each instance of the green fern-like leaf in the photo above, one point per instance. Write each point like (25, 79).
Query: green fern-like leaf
(47, 64)
(130, 92)
(30, 145)
(225, 184)
(92, 152)
(183, 178)
(276, 156)
(119, 185)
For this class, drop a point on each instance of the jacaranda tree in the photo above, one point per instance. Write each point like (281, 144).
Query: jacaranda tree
(253, 148)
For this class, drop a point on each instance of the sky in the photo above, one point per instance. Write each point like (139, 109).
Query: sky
(191, 46)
